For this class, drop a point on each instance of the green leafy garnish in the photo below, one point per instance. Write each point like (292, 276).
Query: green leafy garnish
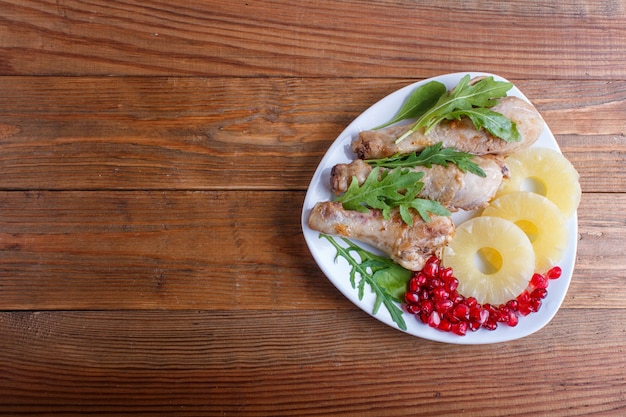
(430, 155)
(387, 279)
(473, 101)
(385, 190)
(418, 102)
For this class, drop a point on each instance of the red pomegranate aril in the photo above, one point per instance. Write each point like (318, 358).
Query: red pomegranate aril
(479, 315)
(461, 311)
(554, 272)
(460, 328)
(538, 281)
(512, 304)
(413, 308)
(523, 298)
(436, 283)
(411, 297)
(440, 293)
(471, 302)
(524, 309)
(431, 269)
(446, 274)
(441, 306)
(452, 284)
(444, 325)
(513, 319)
(427, 306)
(490, 324)
(502, 314)
(535, 304)
(474, 325)
(456, 297)
(420, 279)
(451, 317)
(539, 293)
(434, 319)
(413, 286)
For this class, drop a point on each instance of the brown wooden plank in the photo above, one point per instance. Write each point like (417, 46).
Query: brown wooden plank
(215, 250)
(225, 133)
(565, 40)
(252, 363)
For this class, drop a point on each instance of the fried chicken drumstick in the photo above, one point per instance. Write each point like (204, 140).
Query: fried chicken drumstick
(458, 134)
(409, 246)
(453, 188)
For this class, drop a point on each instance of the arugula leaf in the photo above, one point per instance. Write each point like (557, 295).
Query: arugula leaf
(463, 101)
(430, 155)
(493, 122)
(385, 190)
(386, 279)
(418, 102)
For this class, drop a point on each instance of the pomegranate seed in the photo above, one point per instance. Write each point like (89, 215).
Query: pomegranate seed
(554, 272)
(502, 314)
(512, 304)
(413, 286)
(539, 293)
(538, 281)
(524, 309)
(434, 319)
(444, 325)
(452, 284)
(513, 319)
(460, 328)
(471, 302)
(431, 269)
(446, 274)
(440, 293)
(461, 311)
(436, 283)
(412, 308)
(428, 306)
(479, 315)
(523, 297)
(535, 304)
(474, 325)
(490, 324)
(411, 297)
(442, 306)
(421, 279)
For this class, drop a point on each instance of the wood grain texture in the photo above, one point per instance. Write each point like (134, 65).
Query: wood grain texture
(565, 40)
(315, 363)
(223, 133)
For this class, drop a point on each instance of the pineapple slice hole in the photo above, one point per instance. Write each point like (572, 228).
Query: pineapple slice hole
(488, 260)
(534, 185)
(530, 228)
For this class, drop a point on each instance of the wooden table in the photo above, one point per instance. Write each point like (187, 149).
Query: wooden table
(154, 158)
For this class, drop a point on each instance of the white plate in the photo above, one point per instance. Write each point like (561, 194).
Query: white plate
(338, 271)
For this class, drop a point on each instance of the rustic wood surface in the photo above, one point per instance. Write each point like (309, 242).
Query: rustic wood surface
(154, 158)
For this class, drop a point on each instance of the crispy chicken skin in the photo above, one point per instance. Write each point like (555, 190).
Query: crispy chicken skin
(458, 134)
(409, 246)
(449, 185)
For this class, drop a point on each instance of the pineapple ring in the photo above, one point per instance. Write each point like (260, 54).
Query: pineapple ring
(495, 241)
(546, 172)
(540, 219)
